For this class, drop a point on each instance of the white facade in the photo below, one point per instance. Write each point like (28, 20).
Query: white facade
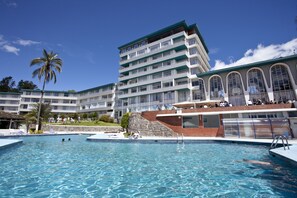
(61, 102)
(10, 102)
(156, 70)
(99, 99)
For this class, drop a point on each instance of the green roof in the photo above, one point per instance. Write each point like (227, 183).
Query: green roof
(10, 93)
(95, 88)
(46, 91)
(247, 66)
(166, 29)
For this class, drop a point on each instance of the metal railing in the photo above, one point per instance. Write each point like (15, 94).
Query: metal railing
(284, 140)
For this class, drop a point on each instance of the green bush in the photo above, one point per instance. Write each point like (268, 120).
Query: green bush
(105, 118)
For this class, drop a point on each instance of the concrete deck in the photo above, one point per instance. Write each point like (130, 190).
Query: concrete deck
(9, 142)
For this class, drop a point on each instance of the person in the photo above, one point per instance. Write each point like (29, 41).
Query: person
(257, 162)
(63, 140)
(69, 139)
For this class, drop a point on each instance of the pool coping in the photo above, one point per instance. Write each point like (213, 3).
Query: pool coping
(4, 143)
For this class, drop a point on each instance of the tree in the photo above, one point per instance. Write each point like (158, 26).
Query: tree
(48, 65)
(125, 121)
(44, 114)
(7, 84)
(26, 85)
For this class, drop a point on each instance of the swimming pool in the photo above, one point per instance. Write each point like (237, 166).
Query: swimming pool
(47, 167)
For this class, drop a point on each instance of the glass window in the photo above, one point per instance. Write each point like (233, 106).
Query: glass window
(155, 47)
(157, 85)
(165, 43)
(235, 90)
(156, 97)
(143, 88)
(167, 73)
(132, 55)
(256, 86)
(211, 121)
(167, 84)
(199, 92)
(190, 122)
(169, 95)
(183, 95)
(281, 84)
(144, 99)
(216, 88)
(157, 75)
(193, 51)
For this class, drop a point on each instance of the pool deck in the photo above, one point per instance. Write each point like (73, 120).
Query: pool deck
(4, 143)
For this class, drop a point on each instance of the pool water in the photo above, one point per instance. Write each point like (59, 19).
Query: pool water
(47, 167)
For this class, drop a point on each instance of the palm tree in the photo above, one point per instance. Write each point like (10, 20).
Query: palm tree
(45, 113)
(49, 63)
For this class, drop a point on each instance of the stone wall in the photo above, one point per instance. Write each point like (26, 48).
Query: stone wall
(69, 128)
(148, 128)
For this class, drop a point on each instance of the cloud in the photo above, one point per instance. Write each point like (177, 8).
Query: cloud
(26, 42)
(9, 3)
(261, 53)
(10, 49)
(213, 50)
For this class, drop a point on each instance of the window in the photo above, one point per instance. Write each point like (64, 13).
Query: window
(169, 95)
(194, 61)
(211, 121)
(156, 97)
(133, 100)
(166, 63)
(165, 43)
(256, 86)
(155, 47)
(144, 99)
(132, 55)
(142, 61)
(281, 84)
(193, 51)
(156, 85)
(157, 75)
(143, 88)
(183, 95)
(235, 90)
(141, 51)
(190, 122)
(157, 56)
(216, 88)
(191, 41)
(156, 66)
(167, 84)
(199, 92)
(167, 73)
(133, 90)
(166, 53)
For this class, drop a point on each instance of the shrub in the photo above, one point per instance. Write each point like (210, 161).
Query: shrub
(105, 118)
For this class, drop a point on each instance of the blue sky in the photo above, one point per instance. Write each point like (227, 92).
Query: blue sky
(87, 34)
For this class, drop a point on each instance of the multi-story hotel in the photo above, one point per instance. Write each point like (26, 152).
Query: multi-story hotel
(156, 69)
(100, 99)
(169, 70)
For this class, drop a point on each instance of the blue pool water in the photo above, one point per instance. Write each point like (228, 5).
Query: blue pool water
(47, 167)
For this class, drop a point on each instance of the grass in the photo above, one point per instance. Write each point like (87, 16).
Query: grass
(89, 123)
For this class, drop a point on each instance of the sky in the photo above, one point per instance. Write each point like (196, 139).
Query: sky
(86, 34)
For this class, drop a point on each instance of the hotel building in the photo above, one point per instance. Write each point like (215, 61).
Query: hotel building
(99, 99)
(156, 70)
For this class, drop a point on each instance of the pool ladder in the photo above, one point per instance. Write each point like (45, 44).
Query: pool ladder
(177, 138)
(284, 140)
